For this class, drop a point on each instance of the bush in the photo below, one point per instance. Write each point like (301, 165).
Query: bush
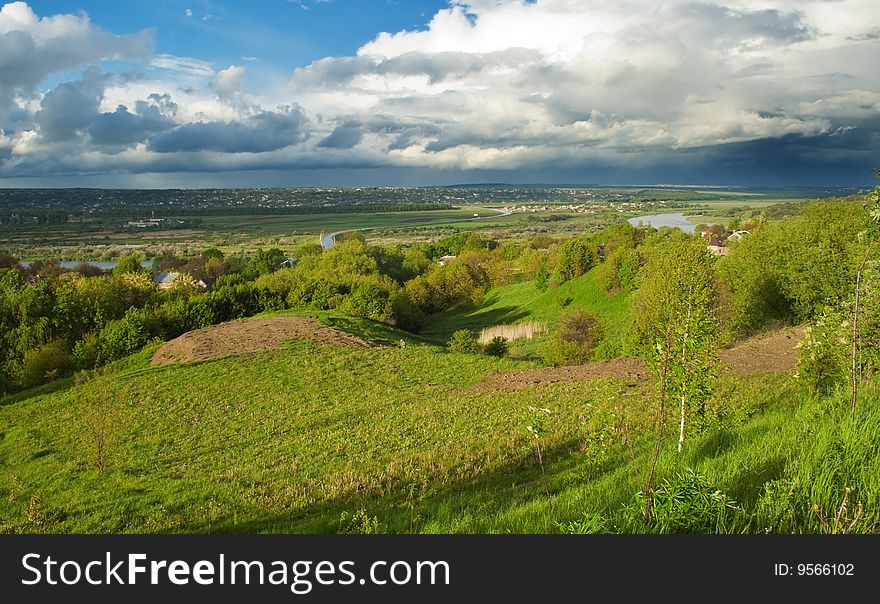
(497, 347)
(464, 341)
(542, 279)
(822, 353)
(619, 271)
(577, 337)
(685, 504)
(575, 259)
(44, 364)
(560, 352)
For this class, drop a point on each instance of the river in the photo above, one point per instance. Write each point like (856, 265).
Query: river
(675, 221)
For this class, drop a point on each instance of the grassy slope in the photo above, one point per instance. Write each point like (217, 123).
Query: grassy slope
(523, 302)
(290, 440)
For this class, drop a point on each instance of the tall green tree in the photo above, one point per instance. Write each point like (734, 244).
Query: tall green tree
(871, 234)
(675, 328)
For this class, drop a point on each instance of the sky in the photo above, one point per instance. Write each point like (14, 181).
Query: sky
(217, 93)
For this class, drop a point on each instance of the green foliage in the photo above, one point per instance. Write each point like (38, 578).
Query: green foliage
(542, 278)
(45, 364)
(457, 243)
(686, 503)
(822, 354)
(576, 338)
(575, 258)
(678, 284)
(675, 326)
(359, 523)
(464, 341)
(496, 347)
(130, 263)
(590, 524)
(620, 270)
(791, 270)
(835, 472)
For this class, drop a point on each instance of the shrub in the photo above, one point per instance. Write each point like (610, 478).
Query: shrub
(560, 352)
(822, 353)
(687, 503)
(44, 364)
(497, 347)
(575, 259)
(578, 334)
(542, 279)
(619, 271)
(590, 524)
(464, 341)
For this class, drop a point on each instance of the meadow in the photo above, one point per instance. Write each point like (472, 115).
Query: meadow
(276, 442)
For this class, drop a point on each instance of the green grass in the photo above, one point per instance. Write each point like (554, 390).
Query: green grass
(290, 440)
(523, 302)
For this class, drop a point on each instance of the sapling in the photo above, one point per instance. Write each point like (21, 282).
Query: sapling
(537, 429)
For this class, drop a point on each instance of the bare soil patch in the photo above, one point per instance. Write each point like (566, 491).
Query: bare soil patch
(771, 353)
(629, 369)
(249, 336)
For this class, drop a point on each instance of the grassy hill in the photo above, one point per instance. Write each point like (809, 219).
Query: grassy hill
(522, 302)
(331, 439)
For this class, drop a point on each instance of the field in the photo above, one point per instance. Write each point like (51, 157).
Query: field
(220, 218)
(276, 442)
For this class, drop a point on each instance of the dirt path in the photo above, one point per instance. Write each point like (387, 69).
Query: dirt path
(249, 335)
(771, 353)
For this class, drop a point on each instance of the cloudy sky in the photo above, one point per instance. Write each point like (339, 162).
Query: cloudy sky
(418, 92)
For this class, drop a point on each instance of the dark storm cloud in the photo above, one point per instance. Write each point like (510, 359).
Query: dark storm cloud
(71, 108)
(345, 136)
(265, 131)
(71, 111)
(123, 128)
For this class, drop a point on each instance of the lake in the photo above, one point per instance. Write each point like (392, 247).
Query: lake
(675, 221)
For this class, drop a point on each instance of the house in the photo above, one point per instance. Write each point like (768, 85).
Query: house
(444, 259)
(166, 281)
(737, 235)
(716, 246)
(289, 263)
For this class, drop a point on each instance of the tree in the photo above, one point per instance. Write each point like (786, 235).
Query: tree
(674, 326)
(575, 259)
(542, 278)
(871, 234)
(130, 263)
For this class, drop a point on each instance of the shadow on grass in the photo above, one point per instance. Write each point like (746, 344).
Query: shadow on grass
(50, 388)
(516, 485)
(441, 326)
